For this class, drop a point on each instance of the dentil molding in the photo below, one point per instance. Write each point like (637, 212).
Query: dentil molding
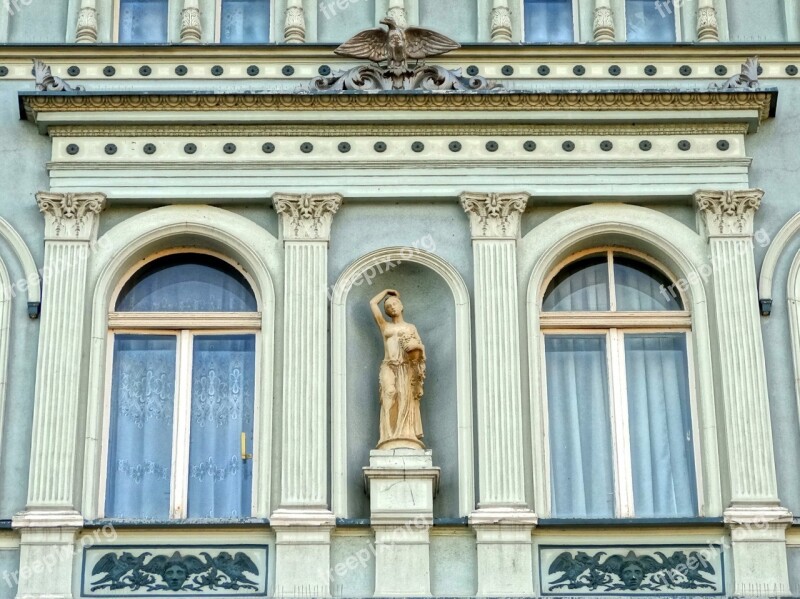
(494, 215)
(729, 213)
(70, 216)
(307, 217)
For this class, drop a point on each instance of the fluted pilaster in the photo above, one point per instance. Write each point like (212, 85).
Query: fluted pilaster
(191, 26)
(70, 224)
(86, 30)
(501, 22)
(294, 29)
(603, 25)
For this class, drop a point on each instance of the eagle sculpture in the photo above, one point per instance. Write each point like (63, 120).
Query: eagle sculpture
(396, 45)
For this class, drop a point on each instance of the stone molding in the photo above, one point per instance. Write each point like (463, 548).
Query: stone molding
(729, 213)
(70, 216)
(494, 215)
(307, 217)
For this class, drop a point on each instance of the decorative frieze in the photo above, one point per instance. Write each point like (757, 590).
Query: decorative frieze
(729, 212)
(501, 22)
(642, 570)
(294, 28)
(603, 24)
(70, 215)
(707, 26)
(191, 26)
(86, 30)
(307, 216)
(182, 571)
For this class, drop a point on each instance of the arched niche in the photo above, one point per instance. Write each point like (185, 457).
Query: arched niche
(436, 300)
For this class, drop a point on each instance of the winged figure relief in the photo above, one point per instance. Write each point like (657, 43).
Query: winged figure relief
(396, 45)
(116, 569)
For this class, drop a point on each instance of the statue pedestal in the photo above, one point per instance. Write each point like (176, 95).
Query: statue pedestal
(401, 484)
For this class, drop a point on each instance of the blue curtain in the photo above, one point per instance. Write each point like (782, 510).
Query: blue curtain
(660, 423)
(143, 21)
(580, 287)
(549, 21)
(140, 441)
(187, 283)
(641, 287)
(581, 458)
(245, 22)
(651, 21)
(223, 381)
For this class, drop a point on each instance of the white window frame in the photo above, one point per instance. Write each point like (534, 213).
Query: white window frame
(115, 23)
(185, 326)
(615, 325)
(678, 13)
(218, 22)
(576, 22)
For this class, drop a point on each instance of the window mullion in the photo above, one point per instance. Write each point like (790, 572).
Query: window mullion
(619, 424)
(612, 284)
(180, 463)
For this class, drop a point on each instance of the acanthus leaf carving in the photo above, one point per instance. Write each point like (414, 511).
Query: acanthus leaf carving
(70, 215)
(729, 213)
(307, 216)
(494, 215)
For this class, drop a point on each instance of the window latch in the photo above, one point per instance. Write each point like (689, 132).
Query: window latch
(245, 455)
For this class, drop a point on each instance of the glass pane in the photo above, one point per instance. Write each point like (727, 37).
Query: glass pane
(548, 21)
(581, 463)
(143, 21)
(580, 287)
(223, 388)
(639, 286)
(140, 434)
(650, 21)
(187, 283)
(245, 22)
(457, 19)
(660, 422)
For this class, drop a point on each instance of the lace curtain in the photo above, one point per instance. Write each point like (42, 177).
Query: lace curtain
(140, 447)
(245, 22)
(549, 21)
(143, 21)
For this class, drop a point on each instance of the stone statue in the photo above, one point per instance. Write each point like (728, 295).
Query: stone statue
(402, 374)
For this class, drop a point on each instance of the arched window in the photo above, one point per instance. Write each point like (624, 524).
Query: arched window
(181, 393)
(618, 387)
(549, 21)
(652, 20)
(243, 21)
(143, 21)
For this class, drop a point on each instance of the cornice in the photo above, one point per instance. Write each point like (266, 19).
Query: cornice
(33, 104)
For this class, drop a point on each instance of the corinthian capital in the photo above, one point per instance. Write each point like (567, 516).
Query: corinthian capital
(306, 217)
(494, 215)
(729, 213)
(70, 216)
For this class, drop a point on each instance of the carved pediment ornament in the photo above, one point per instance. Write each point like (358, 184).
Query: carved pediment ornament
(47, 82)
(391, 51)
(746, 80)
(70, 215)
(494, 215)
(729, 212)
(307, 216)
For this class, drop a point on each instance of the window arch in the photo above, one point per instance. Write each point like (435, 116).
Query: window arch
(618, 387)
(183, 333)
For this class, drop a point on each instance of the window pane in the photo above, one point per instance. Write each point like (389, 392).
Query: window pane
(187, 283)
(457, 19)
(143, 21)
(639, 286)
(581, 466)
(223, 388)
(245, 21)
(548, 21)
(650, 21)
(140, 433)
(581, 286)
(660, 424)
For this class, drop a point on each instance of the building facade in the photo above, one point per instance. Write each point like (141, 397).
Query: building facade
(589, 212)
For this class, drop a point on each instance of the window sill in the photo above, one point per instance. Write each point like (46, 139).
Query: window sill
(613, 522)
(121, 523)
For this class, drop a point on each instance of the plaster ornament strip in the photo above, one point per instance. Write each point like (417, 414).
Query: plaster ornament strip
(494, 215)
(729, 213)
(397, 130)
(710, 100)
(307, 217)
(70, 215)
(426, 77)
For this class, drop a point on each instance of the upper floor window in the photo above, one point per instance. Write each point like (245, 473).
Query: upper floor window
(651, 21)
(549, 21)
(244, 21)
(619, 393)
(143, 21)
(182, 391)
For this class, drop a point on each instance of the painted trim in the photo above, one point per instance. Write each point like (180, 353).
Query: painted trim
(773, 255)
(463, 332)
(134, 240)
(25, 258)
(682, 251)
